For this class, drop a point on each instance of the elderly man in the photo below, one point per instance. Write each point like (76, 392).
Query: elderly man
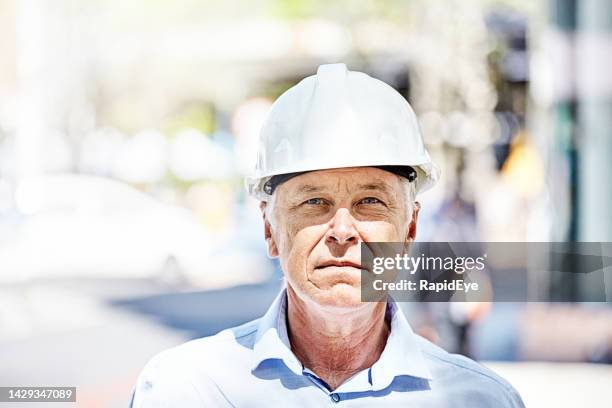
(340, 163)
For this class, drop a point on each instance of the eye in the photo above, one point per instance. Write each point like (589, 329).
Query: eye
(314, 201)
(370, 201)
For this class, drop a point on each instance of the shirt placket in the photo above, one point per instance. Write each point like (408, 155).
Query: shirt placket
(334, 397)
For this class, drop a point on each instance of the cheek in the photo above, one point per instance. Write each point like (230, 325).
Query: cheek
(296, 247)
(382, 231)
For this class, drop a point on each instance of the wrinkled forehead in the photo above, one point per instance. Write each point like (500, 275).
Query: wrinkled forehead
(345, 180)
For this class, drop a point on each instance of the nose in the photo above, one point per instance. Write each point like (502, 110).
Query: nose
(342, 228)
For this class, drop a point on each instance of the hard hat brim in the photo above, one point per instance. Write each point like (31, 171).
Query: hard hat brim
(427, 175)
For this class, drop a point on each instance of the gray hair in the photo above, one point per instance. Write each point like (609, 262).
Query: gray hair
(409, 191)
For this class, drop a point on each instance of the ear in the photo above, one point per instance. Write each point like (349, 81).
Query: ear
(272, 248)
(412, 228)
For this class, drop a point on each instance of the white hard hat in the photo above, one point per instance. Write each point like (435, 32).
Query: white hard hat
(340, 118)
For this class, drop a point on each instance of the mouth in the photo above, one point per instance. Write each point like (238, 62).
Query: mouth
(339, 264)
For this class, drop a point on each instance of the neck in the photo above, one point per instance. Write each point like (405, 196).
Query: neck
(336, 344)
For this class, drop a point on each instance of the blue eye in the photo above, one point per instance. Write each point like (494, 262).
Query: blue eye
(314, 201)
(371, 200)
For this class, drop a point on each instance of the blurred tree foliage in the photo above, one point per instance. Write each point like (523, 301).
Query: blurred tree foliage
(196, 115)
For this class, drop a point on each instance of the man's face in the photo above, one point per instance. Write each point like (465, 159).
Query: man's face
(321, 217)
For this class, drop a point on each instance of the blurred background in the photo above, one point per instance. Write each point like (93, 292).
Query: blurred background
(126, 128)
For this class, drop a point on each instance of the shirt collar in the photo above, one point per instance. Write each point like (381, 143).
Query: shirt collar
(272, 339)
(402, 354)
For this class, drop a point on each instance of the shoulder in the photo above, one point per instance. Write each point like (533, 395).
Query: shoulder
(185, 373)
(223, 344)
(467, 378)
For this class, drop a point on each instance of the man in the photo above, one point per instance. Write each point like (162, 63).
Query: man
(341, 161)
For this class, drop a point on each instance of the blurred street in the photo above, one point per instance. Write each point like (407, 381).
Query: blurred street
(97, 335)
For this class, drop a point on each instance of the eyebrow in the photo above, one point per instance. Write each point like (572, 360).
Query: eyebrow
(375, 187)
(309, 188)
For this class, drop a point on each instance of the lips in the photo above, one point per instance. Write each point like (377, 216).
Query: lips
(339, 263)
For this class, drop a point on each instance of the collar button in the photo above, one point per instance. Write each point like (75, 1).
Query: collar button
(335, 397)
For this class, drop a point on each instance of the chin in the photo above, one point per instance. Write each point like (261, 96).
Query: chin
(340, 295)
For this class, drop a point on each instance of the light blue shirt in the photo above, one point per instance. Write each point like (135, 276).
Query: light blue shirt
(253, 366)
